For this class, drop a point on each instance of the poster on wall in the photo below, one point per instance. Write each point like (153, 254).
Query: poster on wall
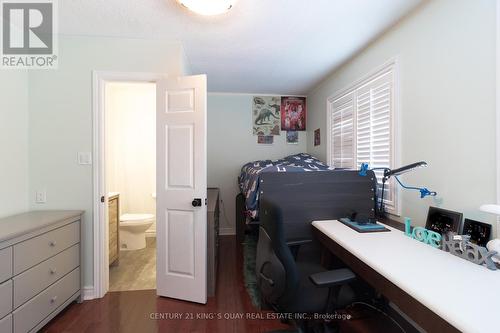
(265, 139)
(317, 137)
(266, 115)
(293, 113)
(292, 137)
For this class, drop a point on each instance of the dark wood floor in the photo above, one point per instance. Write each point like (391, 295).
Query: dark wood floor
(132, 311)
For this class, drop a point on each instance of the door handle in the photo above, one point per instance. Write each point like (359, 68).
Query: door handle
(196, 202)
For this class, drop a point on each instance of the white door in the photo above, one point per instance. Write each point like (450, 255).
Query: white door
(181, 187)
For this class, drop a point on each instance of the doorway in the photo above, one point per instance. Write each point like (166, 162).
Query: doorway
(180, 177)
(130, 180)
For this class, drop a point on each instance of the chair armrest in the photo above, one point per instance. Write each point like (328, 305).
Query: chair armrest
(335, 277)
(295, 245)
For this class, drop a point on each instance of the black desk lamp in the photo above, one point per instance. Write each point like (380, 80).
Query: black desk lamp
(388, 173)
(396, 172)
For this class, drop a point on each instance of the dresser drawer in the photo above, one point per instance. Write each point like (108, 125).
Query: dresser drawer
(34, 311)
(6, 324)
(37, 249)
(36, 279)
(5, 264)
(5, 298)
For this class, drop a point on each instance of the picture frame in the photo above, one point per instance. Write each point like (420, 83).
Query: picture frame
(479, 232)
(443, 221)
(317, 137)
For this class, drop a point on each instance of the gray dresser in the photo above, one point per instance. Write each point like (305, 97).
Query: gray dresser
(213, 239)
(39, 268)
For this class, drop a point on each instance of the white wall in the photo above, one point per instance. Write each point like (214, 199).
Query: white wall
(446, 52)
(13, 142)
(131, 146)
(61, 118)
(231, 144)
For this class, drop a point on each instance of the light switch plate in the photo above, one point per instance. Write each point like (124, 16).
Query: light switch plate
(84, 158)
(40, 196)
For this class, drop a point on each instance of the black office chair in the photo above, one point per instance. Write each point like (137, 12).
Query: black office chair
(296, 286)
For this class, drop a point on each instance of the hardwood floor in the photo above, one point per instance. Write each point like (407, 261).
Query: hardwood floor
(135, 270)
(142, 311)
(131, 311)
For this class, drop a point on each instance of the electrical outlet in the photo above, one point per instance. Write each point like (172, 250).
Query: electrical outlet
(40, 196)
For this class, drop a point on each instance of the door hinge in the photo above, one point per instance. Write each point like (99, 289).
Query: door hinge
(102, 199)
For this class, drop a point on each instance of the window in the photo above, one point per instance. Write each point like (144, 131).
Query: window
(361, 128)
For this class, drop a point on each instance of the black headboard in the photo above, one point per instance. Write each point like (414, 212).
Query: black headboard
(318, 195)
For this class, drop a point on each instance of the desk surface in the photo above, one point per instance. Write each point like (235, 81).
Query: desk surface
(464, 294)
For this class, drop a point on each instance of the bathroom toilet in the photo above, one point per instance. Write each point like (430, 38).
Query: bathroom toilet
(133, 230)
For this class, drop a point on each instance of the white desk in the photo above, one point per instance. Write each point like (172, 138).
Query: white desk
(464, 294)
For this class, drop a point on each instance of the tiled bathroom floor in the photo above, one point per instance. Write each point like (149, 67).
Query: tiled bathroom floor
(136, 270)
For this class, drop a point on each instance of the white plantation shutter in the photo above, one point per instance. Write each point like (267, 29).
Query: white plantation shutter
(343, 132)
(362, 129)
(374, 129)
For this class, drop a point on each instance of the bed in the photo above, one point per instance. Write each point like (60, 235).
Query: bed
(251, 176)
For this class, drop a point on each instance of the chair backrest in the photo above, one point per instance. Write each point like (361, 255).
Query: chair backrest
(318, 195)
(277, 275)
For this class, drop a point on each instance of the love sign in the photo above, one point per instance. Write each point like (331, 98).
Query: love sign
(422, 235)
(452, 243)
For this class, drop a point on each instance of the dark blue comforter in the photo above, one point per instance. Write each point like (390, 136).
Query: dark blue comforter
(249, 179)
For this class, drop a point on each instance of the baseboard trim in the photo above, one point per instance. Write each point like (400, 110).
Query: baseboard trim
(150, 234)
(88, 293)
(227, 231)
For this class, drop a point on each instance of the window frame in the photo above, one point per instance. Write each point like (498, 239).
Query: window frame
(390, 66)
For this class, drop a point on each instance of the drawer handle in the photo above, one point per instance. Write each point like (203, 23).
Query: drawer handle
(53, 300)
(52, 243)
(53, 271)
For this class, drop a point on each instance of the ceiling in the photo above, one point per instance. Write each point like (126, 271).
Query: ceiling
(259, 46)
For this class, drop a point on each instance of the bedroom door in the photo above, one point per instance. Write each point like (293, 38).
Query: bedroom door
(181, 269)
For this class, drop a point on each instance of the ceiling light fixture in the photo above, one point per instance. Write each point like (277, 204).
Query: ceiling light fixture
(208, 7)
